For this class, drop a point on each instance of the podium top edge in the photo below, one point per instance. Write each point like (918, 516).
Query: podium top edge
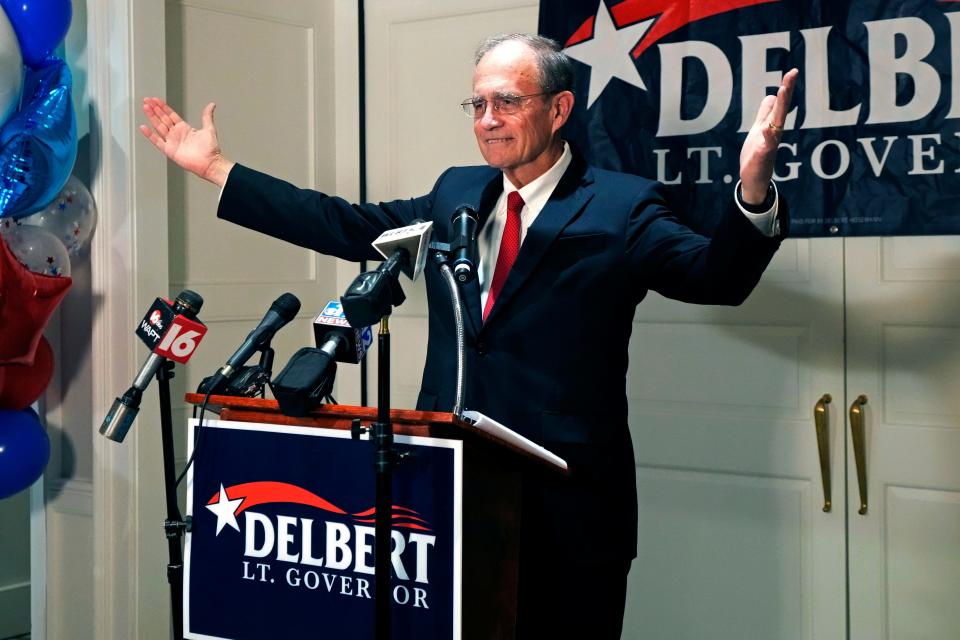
(340, 411)
(339, 416)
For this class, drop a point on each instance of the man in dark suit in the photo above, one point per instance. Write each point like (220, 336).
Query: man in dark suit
(567, 252)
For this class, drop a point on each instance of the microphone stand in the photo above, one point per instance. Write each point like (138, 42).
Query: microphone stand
(175, 525)
(369, 299)
(266, 365)
(382, 436)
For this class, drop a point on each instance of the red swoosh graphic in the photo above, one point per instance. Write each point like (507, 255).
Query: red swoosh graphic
(373, 510)
(674, 14)
(400, 525)
(395, 517)
(398, 519)
(266, 492)
(256, 493)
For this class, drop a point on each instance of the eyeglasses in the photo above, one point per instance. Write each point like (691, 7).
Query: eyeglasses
(505, 104)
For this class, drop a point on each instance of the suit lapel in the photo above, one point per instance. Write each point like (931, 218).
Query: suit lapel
(567, 200)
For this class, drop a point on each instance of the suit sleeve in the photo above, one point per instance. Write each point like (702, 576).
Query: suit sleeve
(668, 257)
(311, 219)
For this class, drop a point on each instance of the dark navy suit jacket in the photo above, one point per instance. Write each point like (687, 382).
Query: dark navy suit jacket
(551, 360)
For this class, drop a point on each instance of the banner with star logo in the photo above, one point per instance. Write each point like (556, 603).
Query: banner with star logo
(282, 535)
(668, 89)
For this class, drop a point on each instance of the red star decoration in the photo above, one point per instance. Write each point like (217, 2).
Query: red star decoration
(27, 300)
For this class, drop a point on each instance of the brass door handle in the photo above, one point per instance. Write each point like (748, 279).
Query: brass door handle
(859, 448)
(821, 420)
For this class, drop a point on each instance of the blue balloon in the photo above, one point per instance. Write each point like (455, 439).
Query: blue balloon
(38, 144)
(24, 451)
(40, 26)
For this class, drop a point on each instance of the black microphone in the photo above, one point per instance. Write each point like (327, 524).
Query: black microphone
(372, 295)
(463, 243)
(180, 337)
(282, 311)
(309, 375)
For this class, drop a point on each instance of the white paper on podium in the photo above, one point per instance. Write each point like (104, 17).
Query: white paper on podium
(491, 426)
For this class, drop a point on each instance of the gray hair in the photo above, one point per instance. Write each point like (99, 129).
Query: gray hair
(555, 67)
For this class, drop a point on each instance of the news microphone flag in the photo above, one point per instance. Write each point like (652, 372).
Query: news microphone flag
(332, 320)
(169, 334)
(414, 238)
(172, 332)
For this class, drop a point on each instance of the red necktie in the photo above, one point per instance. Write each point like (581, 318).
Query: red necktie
(509, 248)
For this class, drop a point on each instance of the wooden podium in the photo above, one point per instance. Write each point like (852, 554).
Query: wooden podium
(491, 511)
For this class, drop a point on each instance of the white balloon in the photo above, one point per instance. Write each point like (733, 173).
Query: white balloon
(11, 69)
(38, 250)
(71, 217)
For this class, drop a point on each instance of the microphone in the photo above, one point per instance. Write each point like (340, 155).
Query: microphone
(414, 238)
(335, 337)
(463, 243)
(282, 311)
(373, 294)
(308, 376)
(181, 334)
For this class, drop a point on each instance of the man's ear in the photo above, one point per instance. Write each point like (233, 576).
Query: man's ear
(561, 109)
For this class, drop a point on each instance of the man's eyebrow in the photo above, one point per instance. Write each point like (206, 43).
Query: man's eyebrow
(496, 94)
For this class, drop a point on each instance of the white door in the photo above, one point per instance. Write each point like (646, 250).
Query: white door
(903, 334)
(734, 539)
(274, 89)
(270, 67)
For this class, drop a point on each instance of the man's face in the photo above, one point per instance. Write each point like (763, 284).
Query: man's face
(519, 144)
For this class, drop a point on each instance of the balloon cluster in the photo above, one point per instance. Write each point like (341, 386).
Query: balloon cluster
(46, 215)
(44, 241)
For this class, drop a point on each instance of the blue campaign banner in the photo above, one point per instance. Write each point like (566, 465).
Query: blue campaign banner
(668, 89)
(282, 537)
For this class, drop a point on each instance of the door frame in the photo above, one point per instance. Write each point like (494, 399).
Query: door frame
(129, 266)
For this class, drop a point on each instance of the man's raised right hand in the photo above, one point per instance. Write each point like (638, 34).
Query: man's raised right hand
(196, 150)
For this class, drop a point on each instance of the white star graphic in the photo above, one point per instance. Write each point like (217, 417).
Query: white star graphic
(608, 52)
(225, 510)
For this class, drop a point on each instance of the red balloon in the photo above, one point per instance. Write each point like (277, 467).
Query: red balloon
(27, 300)
(22, 384)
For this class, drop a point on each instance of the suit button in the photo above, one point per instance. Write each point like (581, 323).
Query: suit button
(481, 348)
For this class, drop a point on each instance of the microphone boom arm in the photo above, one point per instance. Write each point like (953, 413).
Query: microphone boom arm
(457, 304)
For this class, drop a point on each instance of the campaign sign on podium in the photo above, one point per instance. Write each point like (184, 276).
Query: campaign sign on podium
(282, 537)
